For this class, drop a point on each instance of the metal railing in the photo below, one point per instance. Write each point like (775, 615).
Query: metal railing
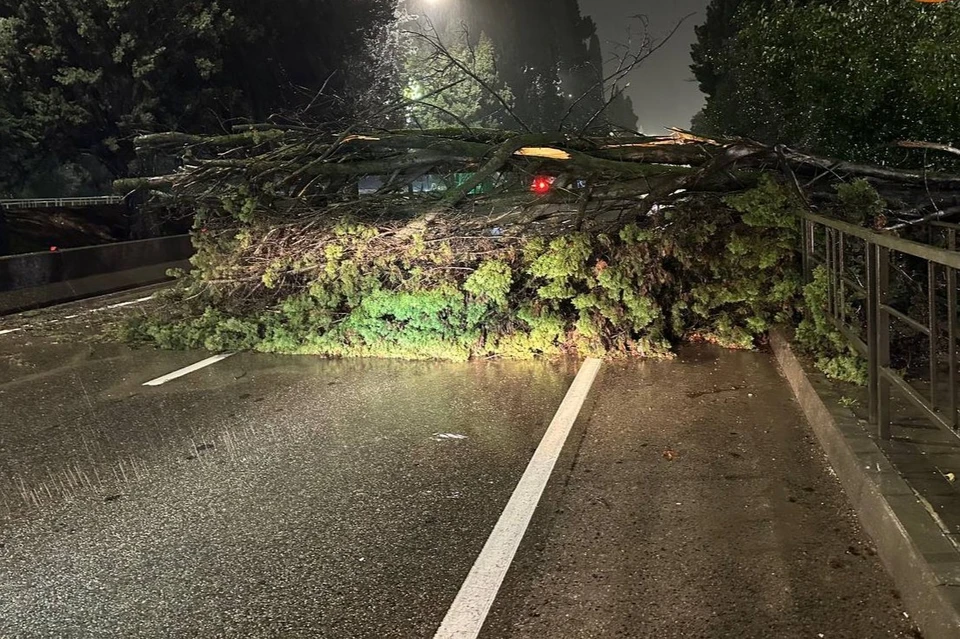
(858, 263)
(62, 202)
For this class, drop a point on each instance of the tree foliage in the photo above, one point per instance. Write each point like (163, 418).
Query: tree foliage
(713, 35)
(79, 78)
(724, 19)
(362, 289)
(455, 84)
(841, 78)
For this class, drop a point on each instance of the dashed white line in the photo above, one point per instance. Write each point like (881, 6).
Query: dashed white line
(187, 370)
(110, 307)
(442, 436)
(86, 312)
(472, 604)
(105, 308)
(122, 304)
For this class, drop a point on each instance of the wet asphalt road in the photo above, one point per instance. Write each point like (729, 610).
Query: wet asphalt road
(294, 497)
(698, 505)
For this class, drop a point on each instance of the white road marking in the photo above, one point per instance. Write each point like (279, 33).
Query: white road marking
(472, 604)
(442, 436)
(122, 304)
(86, 312)
(189, 369)
(108, 307)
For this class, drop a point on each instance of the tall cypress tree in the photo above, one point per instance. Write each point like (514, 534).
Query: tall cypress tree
(549, 54)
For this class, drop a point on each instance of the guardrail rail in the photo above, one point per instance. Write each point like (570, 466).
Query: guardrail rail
(62, 202)
(858, 263)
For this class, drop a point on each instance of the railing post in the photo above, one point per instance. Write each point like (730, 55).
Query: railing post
(841, 272)
(872, 344)
(934, 326)
(831, 272)
(806, 227)
(804, 266)
(883, 342)
(952, 334)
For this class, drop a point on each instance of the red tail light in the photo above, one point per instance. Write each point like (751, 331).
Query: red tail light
(541, 185)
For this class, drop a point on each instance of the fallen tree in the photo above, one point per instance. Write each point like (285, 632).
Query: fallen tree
(530, 244)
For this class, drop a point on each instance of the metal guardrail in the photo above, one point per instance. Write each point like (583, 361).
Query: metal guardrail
(857, 261)
(62, 202)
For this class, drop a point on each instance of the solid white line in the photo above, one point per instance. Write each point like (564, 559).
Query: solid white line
(10, 330)
(189, 369)
(472, 604)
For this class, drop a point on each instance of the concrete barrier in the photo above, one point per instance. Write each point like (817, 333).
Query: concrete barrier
(34, 280)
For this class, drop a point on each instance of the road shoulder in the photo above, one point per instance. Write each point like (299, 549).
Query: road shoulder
(923, 561)
(698, 504)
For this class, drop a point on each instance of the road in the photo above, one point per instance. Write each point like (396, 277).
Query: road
(266, 496)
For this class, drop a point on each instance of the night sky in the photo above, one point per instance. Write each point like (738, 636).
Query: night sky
(662, 91)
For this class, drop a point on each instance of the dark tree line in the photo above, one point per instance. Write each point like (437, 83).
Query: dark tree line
(848, 78)
(80, 78)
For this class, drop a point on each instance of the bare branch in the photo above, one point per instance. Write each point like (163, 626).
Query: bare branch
(932, 146)
(627, 63)
(441, 49)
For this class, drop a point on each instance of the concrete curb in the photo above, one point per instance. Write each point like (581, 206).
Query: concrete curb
(924, 564)
(29, 299)
(35, 280)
